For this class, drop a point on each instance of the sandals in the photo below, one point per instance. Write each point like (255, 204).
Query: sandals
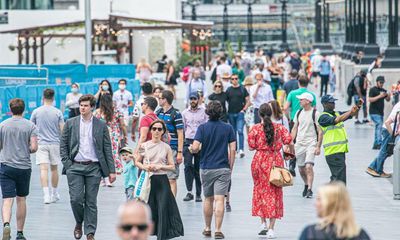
(219, 235)
(206, 233)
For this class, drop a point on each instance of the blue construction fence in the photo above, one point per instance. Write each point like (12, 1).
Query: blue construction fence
(60, 81)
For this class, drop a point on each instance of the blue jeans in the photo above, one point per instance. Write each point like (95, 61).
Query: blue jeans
(378, 120)
(377, 164)
(237, 122)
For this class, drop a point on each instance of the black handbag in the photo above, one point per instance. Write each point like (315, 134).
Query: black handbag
(391, 143)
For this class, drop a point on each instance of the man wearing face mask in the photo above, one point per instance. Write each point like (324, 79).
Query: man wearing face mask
(335, 140)
(123, 99)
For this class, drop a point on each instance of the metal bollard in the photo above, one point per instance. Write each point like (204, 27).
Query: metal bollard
(396, 171)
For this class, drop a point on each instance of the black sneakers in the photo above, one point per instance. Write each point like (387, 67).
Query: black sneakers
(198, 199)
(228, 207)
(305, 190)
(309, 193)
(20, 236)
(189, 197)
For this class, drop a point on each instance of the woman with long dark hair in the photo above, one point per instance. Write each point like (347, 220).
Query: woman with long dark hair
(156, 156)
(172, 75)
(277, 114)
(104, 88)
(267, 138)
(116, 126)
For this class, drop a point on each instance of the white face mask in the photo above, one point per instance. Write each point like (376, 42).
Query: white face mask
(122, 86)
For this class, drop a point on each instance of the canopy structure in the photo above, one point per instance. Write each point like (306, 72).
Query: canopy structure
(105, 33)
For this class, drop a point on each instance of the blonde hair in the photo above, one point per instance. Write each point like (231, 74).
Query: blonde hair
(248, 81)
(217, 82)
(337, 210)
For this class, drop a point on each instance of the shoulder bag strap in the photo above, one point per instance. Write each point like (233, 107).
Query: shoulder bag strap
(395, 125)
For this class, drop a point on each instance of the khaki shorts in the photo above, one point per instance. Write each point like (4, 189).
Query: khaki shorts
(48, 154)
(305, 155)
(173, 175)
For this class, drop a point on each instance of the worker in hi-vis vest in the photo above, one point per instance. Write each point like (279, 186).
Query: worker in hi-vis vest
(335, 142)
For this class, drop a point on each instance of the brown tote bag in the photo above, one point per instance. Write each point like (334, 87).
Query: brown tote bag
(280, 176)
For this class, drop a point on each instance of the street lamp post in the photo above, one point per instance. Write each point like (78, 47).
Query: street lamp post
(250, 45)
(371, 49)
(318, 22)
(225, 22)
(284, 44)
(324, 45)
(392, 53)
(88, 34)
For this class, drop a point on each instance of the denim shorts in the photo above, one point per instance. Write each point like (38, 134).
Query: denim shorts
(14, 181)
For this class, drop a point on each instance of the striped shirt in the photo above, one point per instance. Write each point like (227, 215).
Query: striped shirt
(173, 120)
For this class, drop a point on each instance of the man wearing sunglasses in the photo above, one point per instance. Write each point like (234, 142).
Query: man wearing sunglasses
(134, 221)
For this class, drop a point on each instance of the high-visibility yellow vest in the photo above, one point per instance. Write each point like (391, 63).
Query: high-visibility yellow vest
(335, 138)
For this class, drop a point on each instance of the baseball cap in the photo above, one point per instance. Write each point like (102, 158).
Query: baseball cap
(126, 149)
(328, 99)
(380, 79)
(307, 96)
(194, 95)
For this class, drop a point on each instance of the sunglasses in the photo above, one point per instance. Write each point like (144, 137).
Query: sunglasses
(157, 129)
(218, 86)
(128, 227)
(193, 98)
(234, 78)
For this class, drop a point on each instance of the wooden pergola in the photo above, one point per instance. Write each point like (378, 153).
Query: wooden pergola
(105, 34)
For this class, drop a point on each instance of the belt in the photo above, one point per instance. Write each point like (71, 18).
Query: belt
(85, 162)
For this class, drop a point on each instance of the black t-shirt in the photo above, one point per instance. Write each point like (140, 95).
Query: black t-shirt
(222, 98)
(236, 98)
(290, 85)
(377, 106)
(161, 65)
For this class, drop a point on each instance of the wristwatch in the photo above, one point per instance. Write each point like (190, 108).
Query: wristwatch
(179, 151)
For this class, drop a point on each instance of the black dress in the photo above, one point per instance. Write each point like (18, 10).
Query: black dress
(166, 217)
(172, 80)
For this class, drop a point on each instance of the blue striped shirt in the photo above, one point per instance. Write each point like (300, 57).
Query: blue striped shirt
(172, 124)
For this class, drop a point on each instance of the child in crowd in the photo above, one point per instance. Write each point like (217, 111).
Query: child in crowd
(130, 171)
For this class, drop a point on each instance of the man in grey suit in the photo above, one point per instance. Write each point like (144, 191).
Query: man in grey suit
(86, 156)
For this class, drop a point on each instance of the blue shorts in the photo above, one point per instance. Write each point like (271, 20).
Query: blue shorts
(14, 182)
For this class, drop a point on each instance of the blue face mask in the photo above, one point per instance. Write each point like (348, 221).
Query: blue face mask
(74, 90)
(104, 87)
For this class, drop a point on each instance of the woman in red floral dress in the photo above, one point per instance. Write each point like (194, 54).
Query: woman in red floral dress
(267, 138)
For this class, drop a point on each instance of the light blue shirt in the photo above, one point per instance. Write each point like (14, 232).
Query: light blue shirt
(130, 174)
(325, 68)
(195, 85)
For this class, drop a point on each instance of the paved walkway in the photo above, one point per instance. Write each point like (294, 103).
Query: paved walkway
(375, 209)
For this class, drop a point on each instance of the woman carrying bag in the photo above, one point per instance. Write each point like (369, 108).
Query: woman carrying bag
(267, 138)
(155, 157)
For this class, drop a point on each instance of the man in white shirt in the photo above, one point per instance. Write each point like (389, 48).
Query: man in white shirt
(260, 93)
(196, 85)
(223, 68)
(315, 63)
(123, 99)
(308, 135)
(260, 69)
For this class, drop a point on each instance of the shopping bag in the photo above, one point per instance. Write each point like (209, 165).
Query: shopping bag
(142, 187)
(280, 177)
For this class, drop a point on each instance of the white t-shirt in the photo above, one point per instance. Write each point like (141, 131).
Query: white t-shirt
(392, 116)
(306, 134)
(122, 99)
(316, 62)
(223, 68)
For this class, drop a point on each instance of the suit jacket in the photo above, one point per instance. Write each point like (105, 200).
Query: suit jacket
(69, 145)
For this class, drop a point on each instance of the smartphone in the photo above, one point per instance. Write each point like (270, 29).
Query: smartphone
(360, 103)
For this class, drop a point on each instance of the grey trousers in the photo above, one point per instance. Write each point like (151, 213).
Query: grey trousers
(337, 165)
(83, 182)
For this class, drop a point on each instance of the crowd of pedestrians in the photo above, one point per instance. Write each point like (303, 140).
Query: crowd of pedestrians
(266, 95)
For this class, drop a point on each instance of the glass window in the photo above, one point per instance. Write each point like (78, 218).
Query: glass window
(27, 4)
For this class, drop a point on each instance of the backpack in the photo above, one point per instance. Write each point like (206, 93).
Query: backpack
(214, 75)
(351, 90)
(313, 118)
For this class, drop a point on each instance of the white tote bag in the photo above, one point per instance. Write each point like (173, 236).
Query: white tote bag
(143, 184)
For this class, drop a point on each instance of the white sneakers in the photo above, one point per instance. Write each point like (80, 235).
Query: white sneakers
(55, 197)
(46, 199)
(271, 234)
